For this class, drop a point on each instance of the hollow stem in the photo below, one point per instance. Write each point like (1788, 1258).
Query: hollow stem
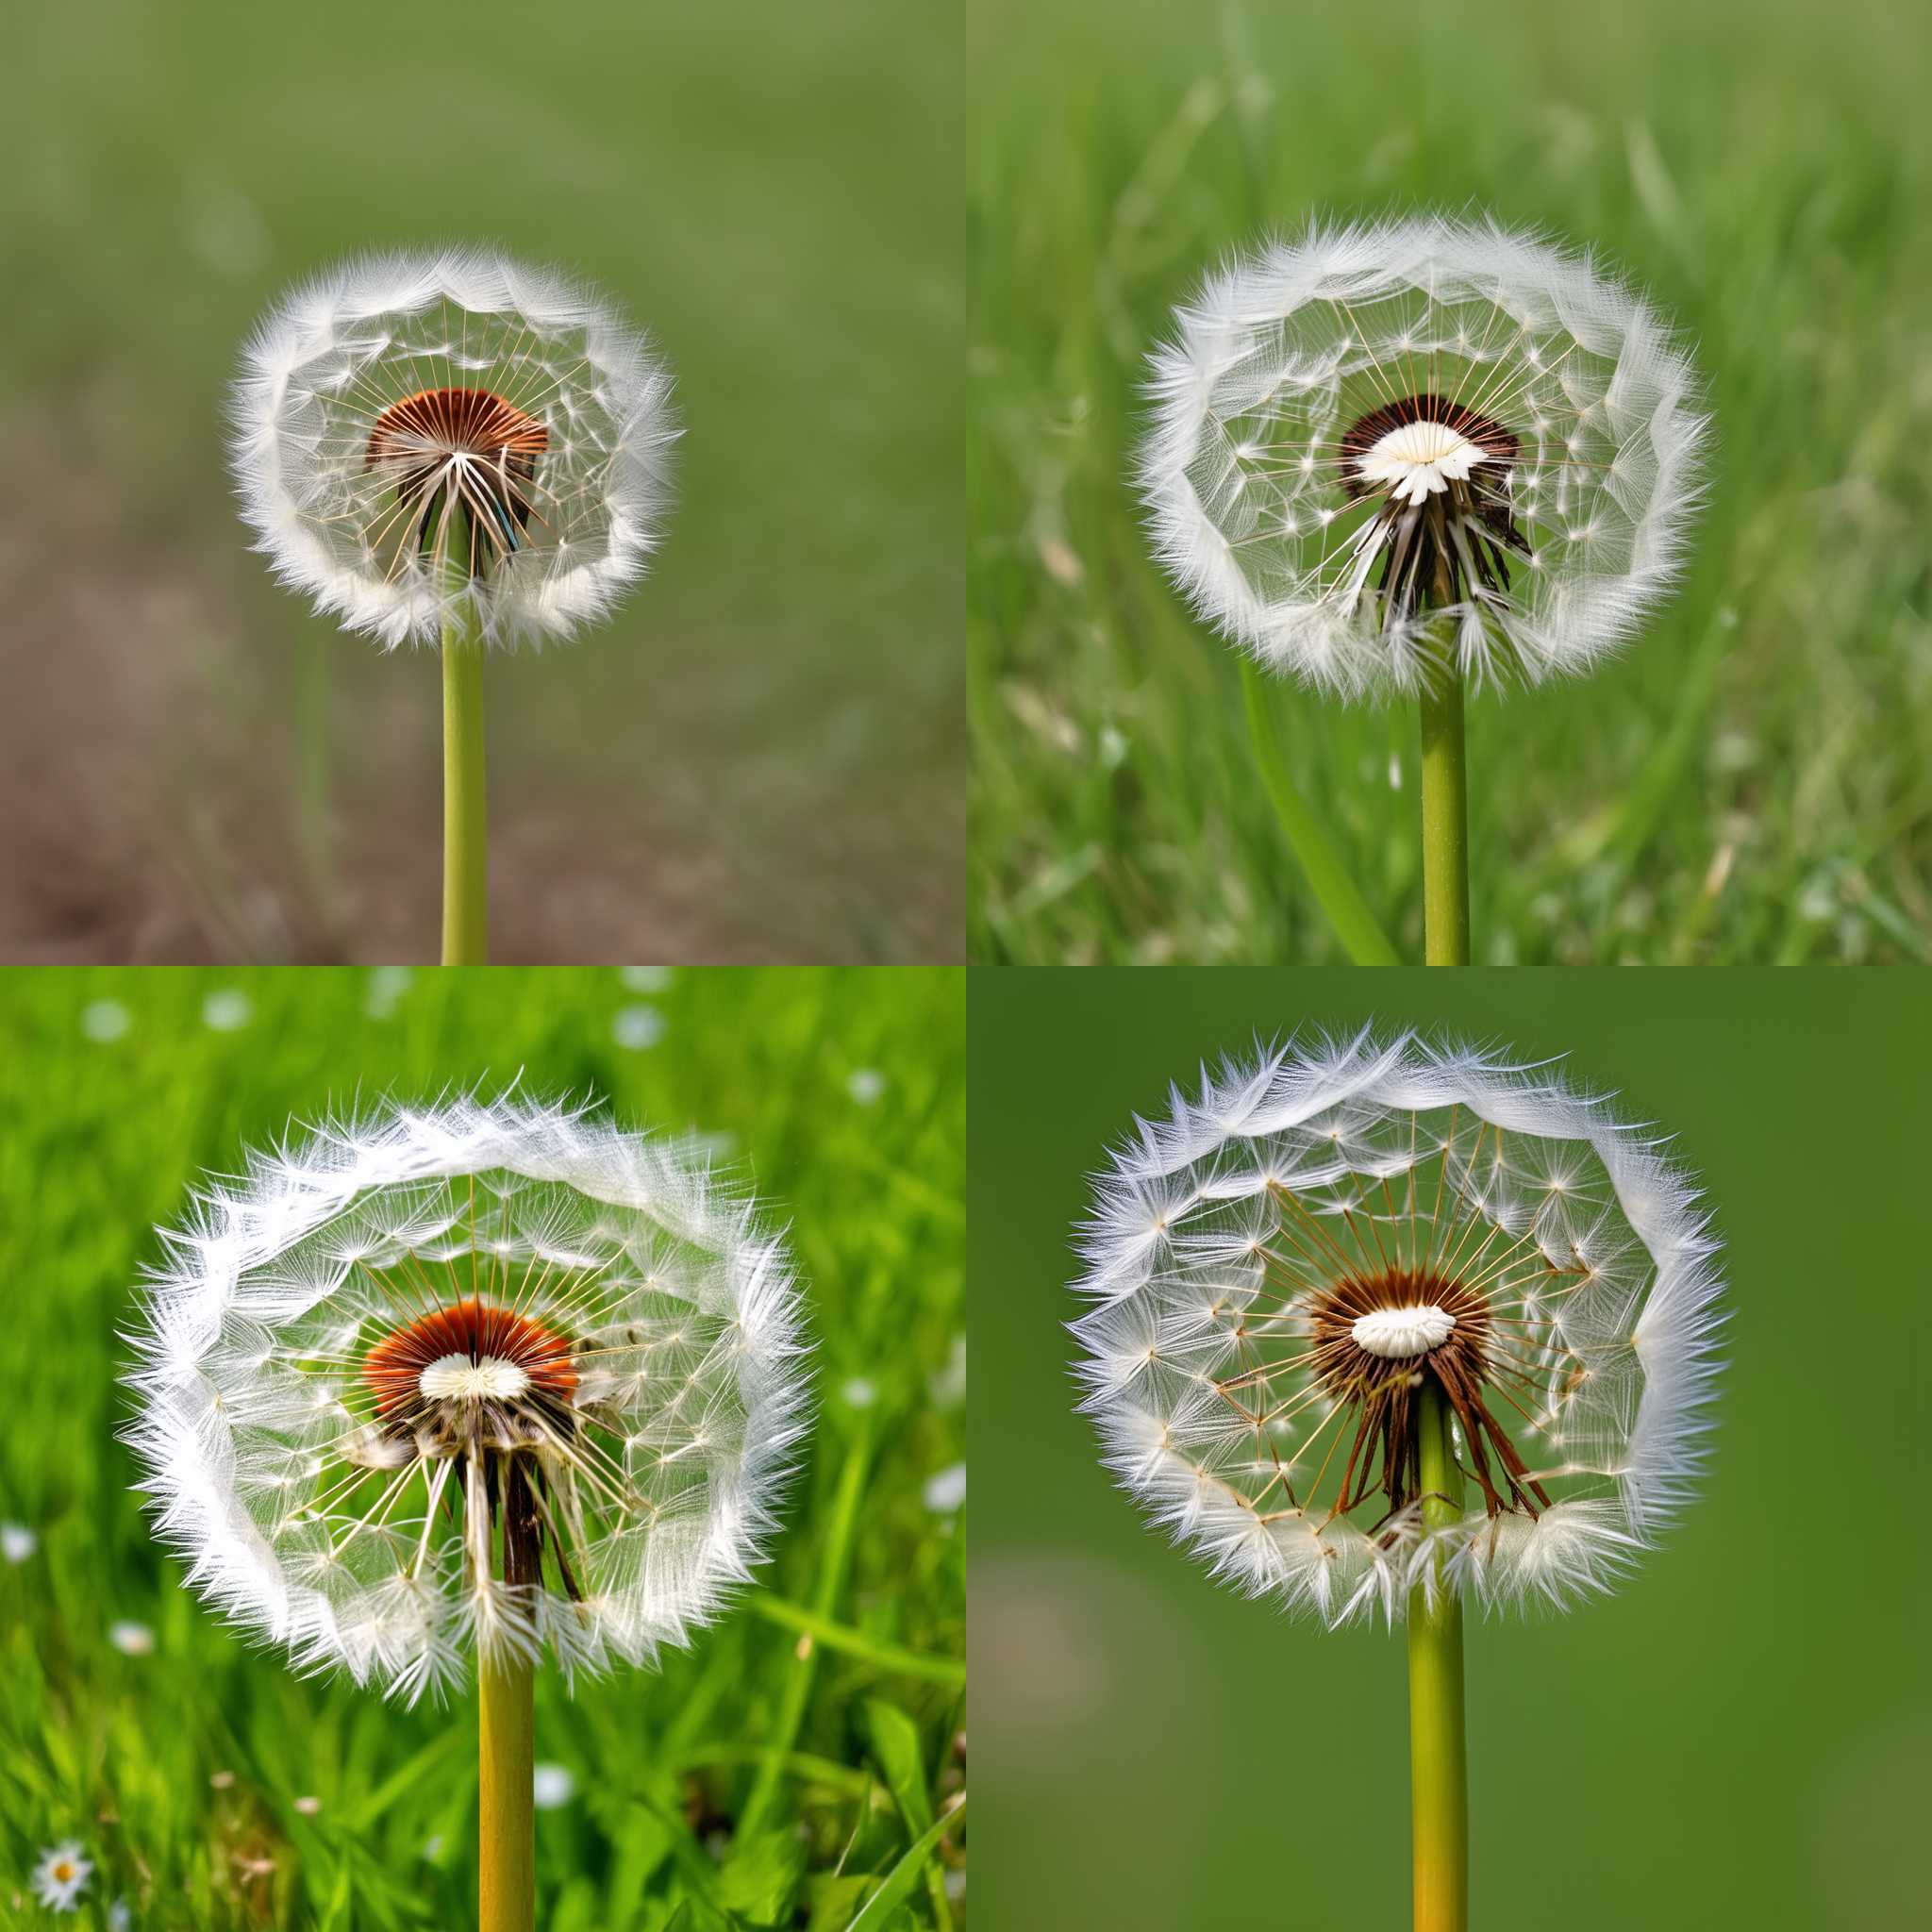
(1445, 823)
(1437, 1756)
(507, 1831)
(465, 853)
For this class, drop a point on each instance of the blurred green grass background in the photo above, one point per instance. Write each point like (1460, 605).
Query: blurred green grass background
(1735, 1739)
(180, 1770)
(761, 758)
(1748, 783)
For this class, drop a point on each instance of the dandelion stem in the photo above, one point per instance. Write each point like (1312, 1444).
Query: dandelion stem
(465, 855)
(1347, 912)
(1445, 823)
(1439, 1770)
(507, 1831)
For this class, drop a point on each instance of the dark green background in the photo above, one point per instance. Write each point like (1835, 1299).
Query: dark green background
(1738, 1737)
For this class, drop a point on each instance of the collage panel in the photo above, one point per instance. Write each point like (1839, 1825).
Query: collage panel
(567, 408)
(478, 1441)
(1637, 1233)
(1437, 493)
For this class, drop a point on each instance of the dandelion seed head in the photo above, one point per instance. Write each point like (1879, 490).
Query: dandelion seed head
(1356, 439)
(490, 1375)
(421, 439)
(1280, 1265)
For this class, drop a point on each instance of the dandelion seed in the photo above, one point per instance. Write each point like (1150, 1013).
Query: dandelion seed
(553, 1787)
(17, 1541)
(227, 1009)
(422, 438)
(1282, 1269)
(131, 1639)
(490, 1375)
(867, 1086)
(638, 1028)
(105, 1020)
(1413, 383)
(62, 1876)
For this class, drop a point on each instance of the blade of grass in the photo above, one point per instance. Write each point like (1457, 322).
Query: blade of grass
(1342, 905)
(905, 1874)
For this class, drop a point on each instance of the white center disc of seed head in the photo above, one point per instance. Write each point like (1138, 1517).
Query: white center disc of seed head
(1420, 460)
(1397, 1333)
(457, 1378)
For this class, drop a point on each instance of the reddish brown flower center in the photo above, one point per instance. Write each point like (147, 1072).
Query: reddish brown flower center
(465, 458)
(476, 1331)
(1399, 1309)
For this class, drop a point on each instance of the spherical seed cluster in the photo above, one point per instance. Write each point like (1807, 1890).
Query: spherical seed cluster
(1283, 1266)
(457, 437)
(480, 1374)
(1380, 449)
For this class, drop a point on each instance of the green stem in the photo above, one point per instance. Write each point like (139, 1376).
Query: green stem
(1345, 908)
(506, 1824)
(1437, 1756)
(465, 853)
(1445, 823)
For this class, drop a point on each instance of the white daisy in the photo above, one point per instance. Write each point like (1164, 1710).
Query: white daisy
(62, 1876)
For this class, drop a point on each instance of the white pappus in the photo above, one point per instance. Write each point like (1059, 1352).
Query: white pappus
(1279, 1266)
(419, 439)
(491, 1375)
(1380, 450)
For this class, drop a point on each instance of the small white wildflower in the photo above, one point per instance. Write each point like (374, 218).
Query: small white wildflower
(105, 1020)
(553, 1787)
(867, 1086)
(308, 1807)
(645, 978)
(860, 1392)
(120, 1916)
(131, 1639)
(1279, 1266)
(62, 1876)
(470, 1376)
(17, 1541)
(638, 1027)
(1379, 450)
(946, 1491)
(227, 1009)
(422, 438)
